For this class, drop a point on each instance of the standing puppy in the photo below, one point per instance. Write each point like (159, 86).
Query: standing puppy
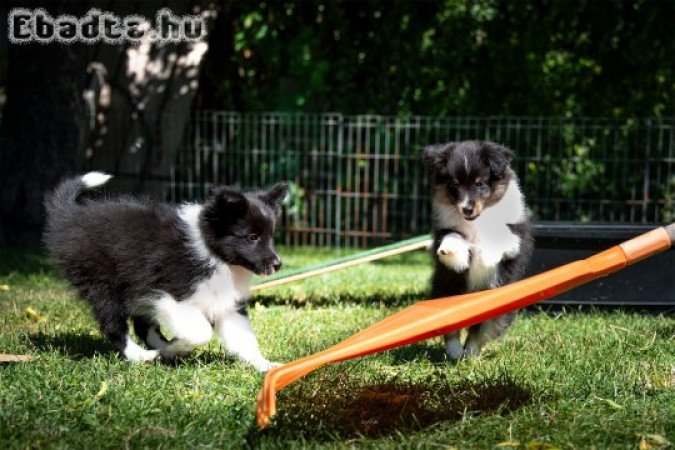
(184, 268)
(482, 236)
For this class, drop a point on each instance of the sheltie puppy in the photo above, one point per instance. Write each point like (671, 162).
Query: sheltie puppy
(482, 235)
(184, 268)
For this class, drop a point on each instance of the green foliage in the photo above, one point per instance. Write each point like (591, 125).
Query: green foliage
(578, 175)
(457, 57)
(668, 194)
(294, 203)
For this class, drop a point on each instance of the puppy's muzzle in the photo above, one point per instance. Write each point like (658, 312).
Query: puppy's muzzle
(469, 210)
(271, 266)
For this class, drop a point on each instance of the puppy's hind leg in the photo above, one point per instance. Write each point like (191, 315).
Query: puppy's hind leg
(235, 332)
(483, 332)
(113, 322)
(149, 333)
(447, 282)
(189, 327)
(453, 346)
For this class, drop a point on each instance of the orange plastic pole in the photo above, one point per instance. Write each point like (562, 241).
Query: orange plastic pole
(432, 318)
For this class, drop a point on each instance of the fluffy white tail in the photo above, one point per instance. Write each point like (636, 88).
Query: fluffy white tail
(64, 197)
(94, 179)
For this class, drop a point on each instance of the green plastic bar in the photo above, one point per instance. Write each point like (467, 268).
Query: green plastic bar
(421, 240)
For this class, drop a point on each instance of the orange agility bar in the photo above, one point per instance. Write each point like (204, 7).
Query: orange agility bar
(432, 318)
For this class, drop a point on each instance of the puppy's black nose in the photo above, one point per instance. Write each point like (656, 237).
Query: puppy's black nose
(276, 263)
(467, 210)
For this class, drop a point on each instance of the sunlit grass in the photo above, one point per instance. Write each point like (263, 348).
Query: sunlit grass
(570, 379)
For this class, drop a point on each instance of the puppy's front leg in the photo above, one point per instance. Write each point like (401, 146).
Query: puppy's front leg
(454, 252)
(235, 333)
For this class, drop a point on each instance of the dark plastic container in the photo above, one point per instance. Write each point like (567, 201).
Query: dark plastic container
(649, 283)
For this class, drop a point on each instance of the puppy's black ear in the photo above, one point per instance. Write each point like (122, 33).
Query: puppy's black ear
(229, 200)
(436, 156)
(496, 156)
(225, 207)
(275, 195)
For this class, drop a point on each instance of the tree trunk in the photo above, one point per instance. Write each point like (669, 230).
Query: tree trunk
(143, 103)
(72, 108)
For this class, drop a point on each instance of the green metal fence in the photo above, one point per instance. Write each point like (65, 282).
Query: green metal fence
(357, 180)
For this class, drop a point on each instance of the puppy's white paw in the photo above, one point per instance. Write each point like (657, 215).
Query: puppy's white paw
(265, 365)
(135, 353)
(454, 253)
(144, 356)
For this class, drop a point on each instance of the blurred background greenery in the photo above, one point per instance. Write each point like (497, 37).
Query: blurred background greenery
(461, 57)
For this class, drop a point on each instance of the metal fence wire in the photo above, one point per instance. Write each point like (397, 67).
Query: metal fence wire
(358, 180)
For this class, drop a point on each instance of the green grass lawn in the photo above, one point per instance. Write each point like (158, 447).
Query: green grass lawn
(564, 380)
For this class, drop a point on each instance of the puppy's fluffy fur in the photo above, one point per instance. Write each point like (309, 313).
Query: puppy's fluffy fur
(184, 268)
(482, 236)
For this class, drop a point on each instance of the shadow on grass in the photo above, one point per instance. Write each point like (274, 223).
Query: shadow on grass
(197, 358)
(72, 345)
(666, 331)
(432, 351)
(413, 259)
(83, 346)
(390, 299)
(337, 407)
(80, 346)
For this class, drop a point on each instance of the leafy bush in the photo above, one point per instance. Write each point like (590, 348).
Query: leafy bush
(457, 57)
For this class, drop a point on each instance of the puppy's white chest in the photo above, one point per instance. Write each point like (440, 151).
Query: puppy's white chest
(221, 293)
(489, 236)
(491, 243)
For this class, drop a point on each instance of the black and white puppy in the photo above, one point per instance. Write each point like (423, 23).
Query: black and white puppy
(482, 236)
(183, 268)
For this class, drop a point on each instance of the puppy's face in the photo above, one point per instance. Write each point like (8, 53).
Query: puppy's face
(238, 227)
(469, 175)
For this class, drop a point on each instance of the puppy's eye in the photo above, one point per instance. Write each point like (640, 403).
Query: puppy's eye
(479, 183)
(253, 237)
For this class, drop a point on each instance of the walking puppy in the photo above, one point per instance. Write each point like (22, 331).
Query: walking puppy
(482, 236)
(184, 268)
